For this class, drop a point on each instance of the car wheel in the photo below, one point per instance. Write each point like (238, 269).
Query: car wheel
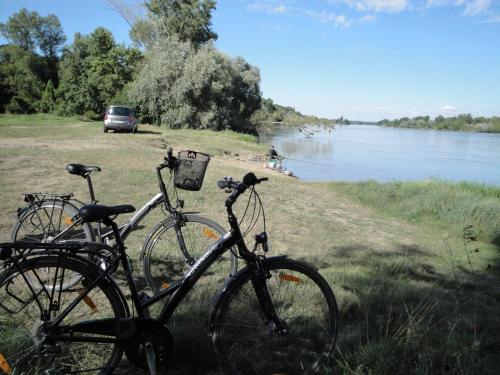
(105, 129)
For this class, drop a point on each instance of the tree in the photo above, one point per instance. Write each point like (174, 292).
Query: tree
(189, 20)
(21, 74)
(181, 86)
(47, 104)
(94, 70)
(142, 33)
(49, 36)
(31, 32)
(21, 29)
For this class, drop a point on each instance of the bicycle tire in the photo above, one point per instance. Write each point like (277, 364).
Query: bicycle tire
(43, 222)
(245, 343)
(21, 323)
(163, 261)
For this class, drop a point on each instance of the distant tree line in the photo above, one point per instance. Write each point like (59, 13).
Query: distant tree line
(174, 75)
(271, 112)
(465, 122)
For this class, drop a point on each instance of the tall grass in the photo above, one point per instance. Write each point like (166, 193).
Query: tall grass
(459, 204)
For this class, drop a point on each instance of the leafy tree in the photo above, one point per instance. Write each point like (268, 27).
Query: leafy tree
(31, 32)
(188, 20)
(142, 33)
(21, 29)
(21, 83)
(47, 104)
(49, 36)
(181, 86)
(28, 30)
(94, 70)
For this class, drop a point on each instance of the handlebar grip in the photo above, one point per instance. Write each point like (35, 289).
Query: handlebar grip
(222, 184)
(169, 152)
(250, 179)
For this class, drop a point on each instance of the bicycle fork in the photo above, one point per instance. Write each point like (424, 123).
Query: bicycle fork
(266, 302)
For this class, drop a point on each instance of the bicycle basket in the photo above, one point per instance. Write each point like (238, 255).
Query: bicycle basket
(191, 170)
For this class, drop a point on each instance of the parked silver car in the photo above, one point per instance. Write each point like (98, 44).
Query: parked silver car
(120, 117)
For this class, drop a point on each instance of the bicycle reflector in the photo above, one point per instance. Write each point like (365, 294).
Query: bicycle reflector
(165, 285)
(291, 278)
(4, 365)
(68, 220)
(210, 233)
(89, 302)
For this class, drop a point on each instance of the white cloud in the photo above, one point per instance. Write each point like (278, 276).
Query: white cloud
(493, 19)
(471, 7)
(476, 6)
(268, 8)
(448, 108)
(383, 6)
(367, 18)
(339, 20)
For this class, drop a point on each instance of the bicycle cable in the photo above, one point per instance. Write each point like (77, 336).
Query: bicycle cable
(254, 219)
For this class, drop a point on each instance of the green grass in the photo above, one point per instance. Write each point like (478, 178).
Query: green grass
(414, 296)
(455, 205)
(41, 119)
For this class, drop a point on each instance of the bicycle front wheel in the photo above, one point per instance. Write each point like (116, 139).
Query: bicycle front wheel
(165, 262)
(297, 341)
(50, 221)
(27, 311)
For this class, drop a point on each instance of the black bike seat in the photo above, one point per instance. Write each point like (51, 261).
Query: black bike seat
(82, 170)
(95, 212)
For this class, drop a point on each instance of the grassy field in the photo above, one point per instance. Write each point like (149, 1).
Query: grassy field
(416, 294)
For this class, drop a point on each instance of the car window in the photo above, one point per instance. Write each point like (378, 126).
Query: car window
(119, 111)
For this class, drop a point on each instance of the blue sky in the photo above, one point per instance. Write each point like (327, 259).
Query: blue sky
(363, 59)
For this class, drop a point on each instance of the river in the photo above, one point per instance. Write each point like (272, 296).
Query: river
(362, 152)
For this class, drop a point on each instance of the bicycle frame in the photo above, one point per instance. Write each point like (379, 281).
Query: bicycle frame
(109, 328)
(177, 291)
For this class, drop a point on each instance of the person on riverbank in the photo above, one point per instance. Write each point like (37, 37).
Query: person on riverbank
(273, 160)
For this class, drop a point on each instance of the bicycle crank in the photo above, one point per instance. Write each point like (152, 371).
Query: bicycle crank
(153, 333)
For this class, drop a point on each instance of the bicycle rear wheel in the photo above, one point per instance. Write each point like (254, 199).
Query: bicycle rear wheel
(246, 342)
(49, 221)
(29, 345)
(164, 263)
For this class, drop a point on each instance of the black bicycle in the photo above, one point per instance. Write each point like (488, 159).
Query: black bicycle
(275, 316)
(171, 247)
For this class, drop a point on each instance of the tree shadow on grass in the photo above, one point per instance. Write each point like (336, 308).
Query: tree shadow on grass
(148, 132)
(404, 313)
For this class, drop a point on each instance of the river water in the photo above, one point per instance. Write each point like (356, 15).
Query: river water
(362, 152)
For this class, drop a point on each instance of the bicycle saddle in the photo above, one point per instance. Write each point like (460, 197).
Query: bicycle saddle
(82, 170)
(95, 212)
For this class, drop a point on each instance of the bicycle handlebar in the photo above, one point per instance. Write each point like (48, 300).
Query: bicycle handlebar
(170, 161)
(238, 187)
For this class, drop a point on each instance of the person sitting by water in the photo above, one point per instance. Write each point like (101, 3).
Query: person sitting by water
(273, 159)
